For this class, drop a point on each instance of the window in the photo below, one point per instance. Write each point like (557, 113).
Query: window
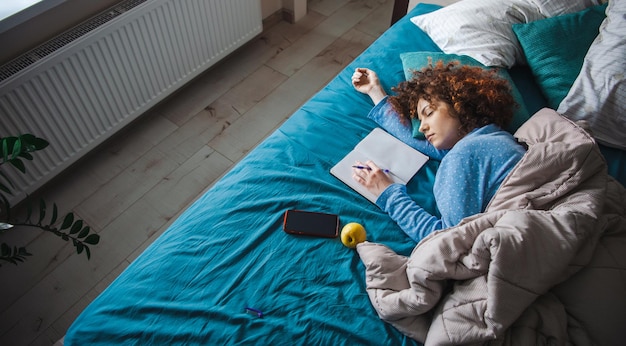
(15, 12)
(9, 8)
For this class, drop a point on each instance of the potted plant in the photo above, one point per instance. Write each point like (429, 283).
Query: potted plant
(14, 151)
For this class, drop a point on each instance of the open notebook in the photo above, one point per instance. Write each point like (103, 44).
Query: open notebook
(387, 152)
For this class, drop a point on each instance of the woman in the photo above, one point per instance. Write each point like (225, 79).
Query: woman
(462, 111)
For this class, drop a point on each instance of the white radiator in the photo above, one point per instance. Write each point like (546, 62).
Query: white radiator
(100, 76)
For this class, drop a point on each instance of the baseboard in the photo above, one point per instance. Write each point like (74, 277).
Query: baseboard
(273, 19)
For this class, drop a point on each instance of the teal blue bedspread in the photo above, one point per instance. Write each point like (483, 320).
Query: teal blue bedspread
(227, 251)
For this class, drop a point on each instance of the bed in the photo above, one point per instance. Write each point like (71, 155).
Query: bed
(228, 252)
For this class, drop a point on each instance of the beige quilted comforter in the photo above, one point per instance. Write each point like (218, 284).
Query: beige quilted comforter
(546, 263)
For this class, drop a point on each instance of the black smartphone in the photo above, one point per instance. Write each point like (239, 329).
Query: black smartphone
(311, 223)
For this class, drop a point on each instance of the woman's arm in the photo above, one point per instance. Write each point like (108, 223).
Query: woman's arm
(460, 191)
(366, 81)
(416, 222)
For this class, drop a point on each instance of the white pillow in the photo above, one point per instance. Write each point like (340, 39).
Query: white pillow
(598, 94)
(551, 8)
(482, 29)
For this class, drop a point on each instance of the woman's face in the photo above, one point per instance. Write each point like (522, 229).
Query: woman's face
(437, 124)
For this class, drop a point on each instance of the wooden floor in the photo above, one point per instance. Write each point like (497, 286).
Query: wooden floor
(131, 188)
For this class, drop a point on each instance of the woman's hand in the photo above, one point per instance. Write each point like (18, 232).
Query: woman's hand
(374, 179)
(366, 81)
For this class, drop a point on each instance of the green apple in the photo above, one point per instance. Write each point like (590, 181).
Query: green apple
(353, 234)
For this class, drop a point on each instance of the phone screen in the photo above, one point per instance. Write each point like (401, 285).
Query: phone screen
(311, 223)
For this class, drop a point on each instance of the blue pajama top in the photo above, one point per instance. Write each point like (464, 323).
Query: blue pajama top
(467, 178)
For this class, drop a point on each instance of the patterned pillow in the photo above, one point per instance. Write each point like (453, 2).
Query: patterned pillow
(552, 8)
(599, 92)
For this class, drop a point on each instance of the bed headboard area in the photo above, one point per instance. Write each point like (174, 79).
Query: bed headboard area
(544, 262)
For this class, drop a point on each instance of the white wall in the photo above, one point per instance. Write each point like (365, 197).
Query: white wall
(296, 7)
(269, 7)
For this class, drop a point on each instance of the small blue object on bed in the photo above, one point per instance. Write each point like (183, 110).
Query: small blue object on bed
(227, 256)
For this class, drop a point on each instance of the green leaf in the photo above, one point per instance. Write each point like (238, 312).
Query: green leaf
(42, 211)
(29, 211)
(13, 255)
(27, 138)
(13, 147)
(84, 232)
(76, 227)
(55, 214)
(68, 221)
(79, 248)
(7, 207)
(17, 163)
(5, 148)
(26, 156)
(17, 148)
(32, 143)
(38, 144)
(88, 252)
(92, 239)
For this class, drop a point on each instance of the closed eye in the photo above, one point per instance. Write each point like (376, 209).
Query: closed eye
(425, 112)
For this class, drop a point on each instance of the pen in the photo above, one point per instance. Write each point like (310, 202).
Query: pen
(369, 168)
(255, 312)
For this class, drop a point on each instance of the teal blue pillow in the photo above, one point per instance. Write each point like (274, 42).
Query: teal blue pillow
(415, 61)
(556, 47)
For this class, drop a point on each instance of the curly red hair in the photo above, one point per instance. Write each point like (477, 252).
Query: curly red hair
(477, 97)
